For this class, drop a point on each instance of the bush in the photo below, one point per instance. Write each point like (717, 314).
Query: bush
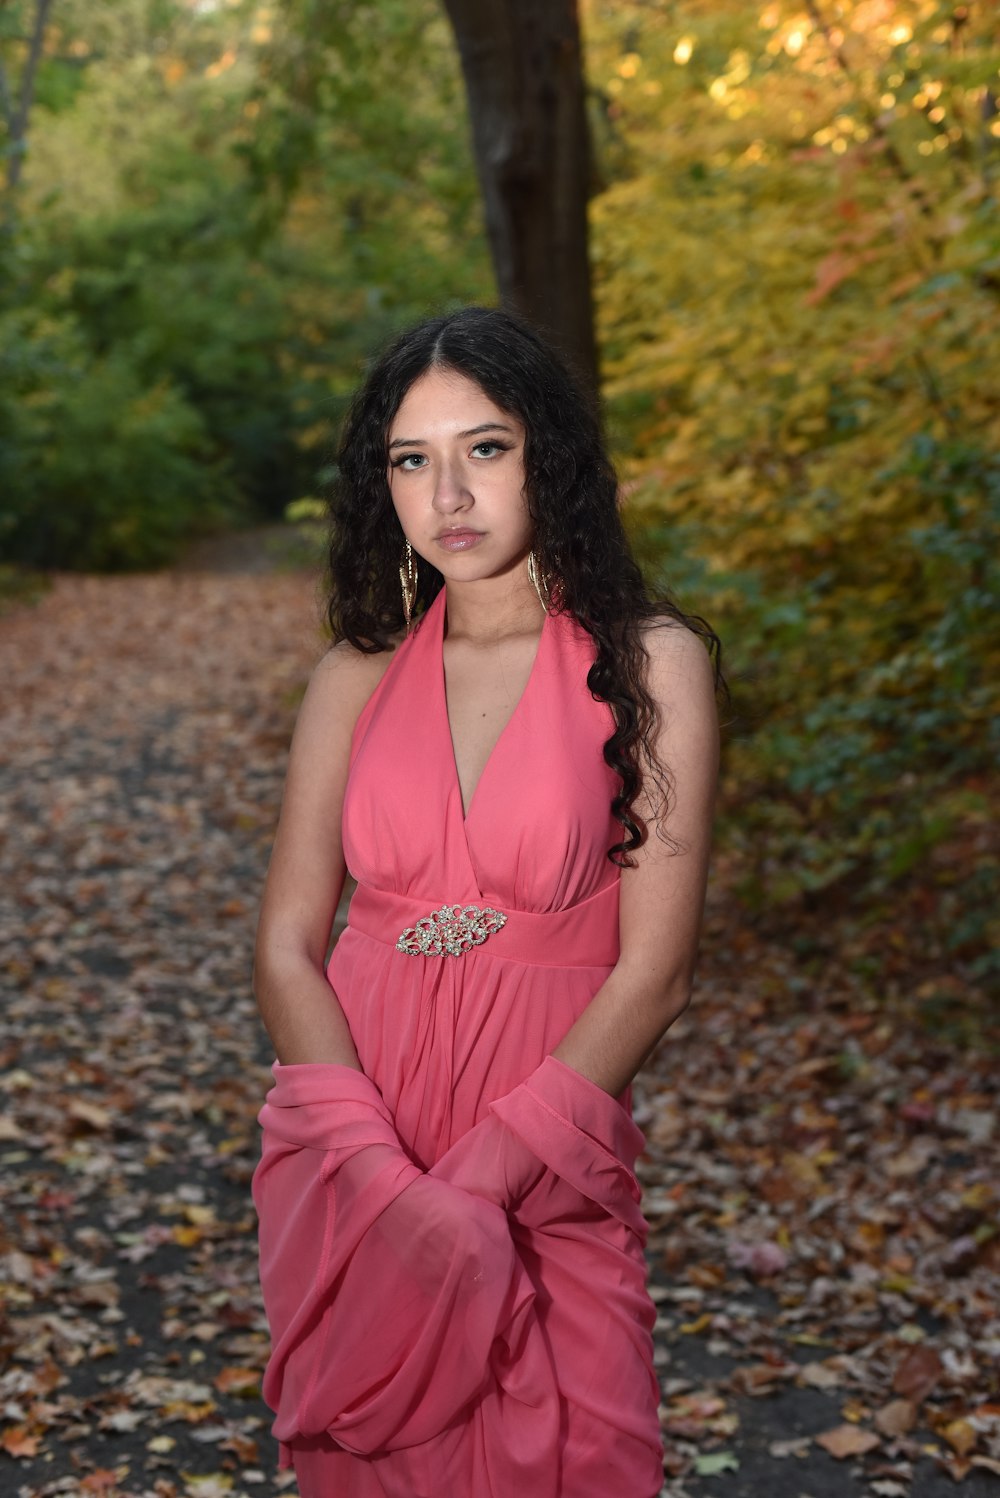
(100, 468)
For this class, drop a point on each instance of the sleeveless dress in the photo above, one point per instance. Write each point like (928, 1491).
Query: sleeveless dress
(451, 1245)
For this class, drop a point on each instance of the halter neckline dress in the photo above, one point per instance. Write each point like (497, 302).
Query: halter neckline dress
(428, 1336)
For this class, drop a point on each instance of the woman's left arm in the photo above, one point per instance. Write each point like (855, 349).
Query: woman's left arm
(663, 896)
(563, 1117)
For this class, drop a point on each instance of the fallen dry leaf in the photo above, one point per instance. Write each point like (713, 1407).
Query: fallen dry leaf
(896, 1418)
(244, 1381)
(917, 1374)
(16, 1441)
(762, 1260)
(847, 1440)
(960, 1435)
(90, 1114)
(103, 1480)
(820, 1376)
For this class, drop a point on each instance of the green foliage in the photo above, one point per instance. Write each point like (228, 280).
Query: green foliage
(360, 125)
(217, 222)
(309, 518)
(94, 471)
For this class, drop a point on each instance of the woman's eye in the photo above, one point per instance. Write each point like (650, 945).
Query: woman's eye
(409, 462)
(487, 449)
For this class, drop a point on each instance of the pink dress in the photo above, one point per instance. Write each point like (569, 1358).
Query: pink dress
(451, 1245)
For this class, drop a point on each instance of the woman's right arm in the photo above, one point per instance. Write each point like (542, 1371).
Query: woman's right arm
(306, 876)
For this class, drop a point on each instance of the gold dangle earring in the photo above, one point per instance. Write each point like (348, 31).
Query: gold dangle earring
(408, 582)
(539, 581)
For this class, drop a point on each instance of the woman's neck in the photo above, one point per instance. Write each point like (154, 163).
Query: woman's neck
(492, 608)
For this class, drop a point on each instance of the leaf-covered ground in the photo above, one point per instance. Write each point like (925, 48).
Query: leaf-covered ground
(821, 1174)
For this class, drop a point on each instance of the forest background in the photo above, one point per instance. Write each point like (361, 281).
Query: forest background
(228, 204)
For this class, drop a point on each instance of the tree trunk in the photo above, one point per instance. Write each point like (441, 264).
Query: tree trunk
(523, 71)
(15, 115)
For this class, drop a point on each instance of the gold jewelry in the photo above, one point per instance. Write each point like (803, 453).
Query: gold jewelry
(539, 581)
(408, 582)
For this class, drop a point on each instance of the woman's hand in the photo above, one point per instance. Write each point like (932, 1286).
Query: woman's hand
(492, 1163)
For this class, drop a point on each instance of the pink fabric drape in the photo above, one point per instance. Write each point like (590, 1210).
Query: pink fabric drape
(413, 1313)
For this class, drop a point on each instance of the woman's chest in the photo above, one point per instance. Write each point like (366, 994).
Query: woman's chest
(483, 688)
(537, 829)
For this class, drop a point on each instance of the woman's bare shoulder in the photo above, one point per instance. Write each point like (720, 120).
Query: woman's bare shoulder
(679, 661)
(344, 679)
(345, 662)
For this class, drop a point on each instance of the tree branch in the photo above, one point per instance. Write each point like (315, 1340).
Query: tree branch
(6, 102)
(34, 58)
(17, 120)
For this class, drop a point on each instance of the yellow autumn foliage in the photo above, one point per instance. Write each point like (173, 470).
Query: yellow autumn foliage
(797, 252)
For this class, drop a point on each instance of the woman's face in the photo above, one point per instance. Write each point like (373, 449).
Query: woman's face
(456, 475)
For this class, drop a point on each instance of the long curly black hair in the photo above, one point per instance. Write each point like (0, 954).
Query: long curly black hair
(572, 496)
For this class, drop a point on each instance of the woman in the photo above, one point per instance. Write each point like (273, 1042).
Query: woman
(513, 750)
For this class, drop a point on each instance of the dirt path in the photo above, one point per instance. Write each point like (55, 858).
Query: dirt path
(822, 1187)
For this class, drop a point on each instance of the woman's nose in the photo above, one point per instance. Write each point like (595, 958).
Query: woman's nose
(450, 492)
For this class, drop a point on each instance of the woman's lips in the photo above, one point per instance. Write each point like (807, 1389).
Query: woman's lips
(459, 540)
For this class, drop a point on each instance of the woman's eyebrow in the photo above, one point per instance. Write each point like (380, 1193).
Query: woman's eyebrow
(487, 426)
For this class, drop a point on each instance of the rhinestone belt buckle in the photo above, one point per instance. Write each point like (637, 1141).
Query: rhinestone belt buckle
(451, 931)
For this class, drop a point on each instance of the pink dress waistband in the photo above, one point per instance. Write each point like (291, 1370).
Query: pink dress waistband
(583, 935)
